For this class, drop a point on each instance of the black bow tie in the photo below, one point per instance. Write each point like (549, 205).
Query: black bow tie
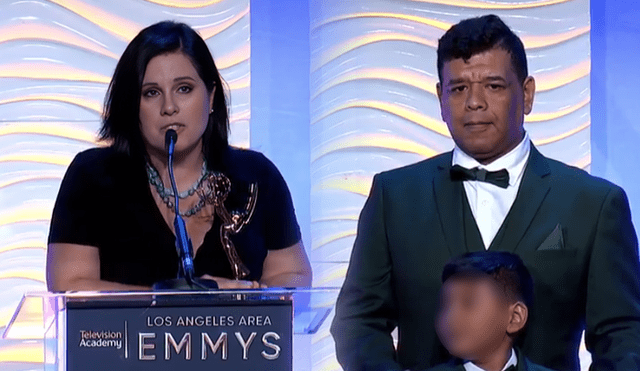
(499, 178)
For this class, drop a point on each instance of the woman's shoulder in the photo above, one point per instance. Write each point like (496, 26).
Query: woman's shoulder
(245, 155)
(97, 156)
(101, 163)
(247, 163)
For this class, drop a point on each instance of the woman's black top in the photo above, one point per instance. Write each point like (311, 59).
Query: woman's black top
(105, 201)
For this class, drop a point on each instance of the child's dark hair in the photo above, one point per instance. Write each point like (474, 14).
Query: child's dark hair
(505, 268)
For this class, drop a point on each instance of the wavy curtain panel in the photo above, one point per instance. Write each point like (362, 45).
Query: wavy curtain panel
(56, 61)
(374, 106)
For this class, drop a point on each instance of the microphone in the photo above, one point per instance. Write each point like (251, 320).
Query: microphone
(183, 242)
(170, 139)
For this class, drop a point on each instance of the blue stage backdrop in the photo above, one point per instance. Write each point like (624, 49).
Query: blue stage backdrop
(332, 91)
(615, 78)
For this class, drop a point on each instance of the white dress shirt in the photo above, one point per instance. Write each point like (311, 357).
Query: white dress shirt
(490, 203)
(513, 361)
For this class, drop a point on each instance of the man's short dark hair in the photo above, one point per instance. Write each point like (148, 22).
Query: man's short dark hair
(505, 268)
(477, 35)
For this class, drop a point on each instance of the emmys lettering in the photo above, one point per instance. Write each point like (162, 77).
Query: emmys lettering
(147, 343)
(101, 339)
(207, 343)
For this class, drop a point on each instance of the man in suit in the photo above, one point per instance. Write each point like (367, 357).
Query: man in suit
(494, 191)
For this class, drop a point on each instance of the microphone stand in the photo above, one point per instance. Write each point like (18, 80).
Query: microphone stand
(186, 279)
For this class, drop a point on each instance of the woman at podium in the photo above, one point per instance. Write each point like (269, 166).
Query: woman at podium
(113, 222)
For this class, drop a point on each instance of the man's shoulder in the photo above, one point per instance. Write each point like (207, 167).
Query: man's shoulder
(530, 366)
(525, 364)
(575, 179)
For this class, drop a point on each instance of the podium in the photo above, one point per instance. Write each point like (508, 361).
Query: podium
(267, 329)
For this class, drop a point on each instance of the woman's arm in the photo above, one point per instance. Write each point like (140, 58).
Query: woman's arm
(72, 267)
(288, 267)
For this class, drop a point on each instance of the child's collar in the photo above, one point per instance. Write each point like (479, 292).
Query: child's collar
(513, 361)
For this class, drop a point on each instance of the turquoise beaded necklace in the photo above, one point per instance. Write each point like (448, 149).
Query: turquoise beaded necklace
(166, 194)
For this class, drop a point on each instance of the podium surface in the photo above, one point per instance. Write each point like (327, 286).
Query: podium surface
(224, 329)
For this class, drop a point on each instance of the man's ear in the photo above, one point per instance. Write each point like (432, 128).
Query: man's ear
(529, 88)
(518, 319)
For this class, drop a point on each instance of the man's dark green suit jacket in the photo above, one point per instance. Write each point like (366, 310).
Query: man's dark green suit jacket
(572, 230)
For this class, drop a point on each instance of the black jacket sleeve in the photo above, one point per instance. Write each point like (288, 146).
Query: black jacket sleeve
(366, 311)
(613, 289)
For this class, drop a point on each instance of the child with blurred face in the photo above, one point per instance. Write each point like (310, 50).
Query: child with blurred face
(484, 306)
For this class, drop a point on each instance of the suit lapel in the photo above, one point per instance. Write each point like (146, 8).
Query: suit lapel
(533, 189)
(448, 196)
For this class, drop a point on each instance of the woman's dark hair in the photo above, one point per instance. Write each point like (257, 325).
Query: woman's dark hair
(477, 35)
(121, 122)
